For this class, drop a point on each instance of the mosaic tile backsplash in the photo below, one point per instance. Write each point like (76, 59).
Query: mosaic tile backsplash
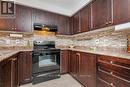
(107, 38)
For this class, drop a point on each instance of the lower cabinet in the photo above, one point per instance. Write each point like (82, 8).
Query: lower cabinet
(113, 72)
(24, 67)
(83, 68)
(9, 74)
(65, 55)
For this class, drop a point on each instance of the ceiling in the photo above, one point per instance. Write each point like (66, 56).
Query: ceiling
(64, 7)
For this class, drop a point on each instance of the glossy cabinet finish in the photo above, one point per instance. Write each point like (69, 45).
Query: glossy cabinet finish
(73, 64)
(121, 11)
(76, 23)
(23, 21)
(7, 24)
(9, 74)
(65, 55)
(85, 18)
(113, 72)
(44, 17)
(83, 68)
(25, 67)
(101, 13)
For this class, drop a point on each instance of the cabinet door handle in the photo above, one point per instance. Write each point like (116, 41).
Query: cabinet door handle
(107, 23)
(79, 60)
(110, 22)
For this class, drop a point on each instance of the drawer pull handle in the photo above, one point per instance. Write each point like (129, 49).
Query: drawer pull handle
(111, 84)
(111, 62)
(111, 73)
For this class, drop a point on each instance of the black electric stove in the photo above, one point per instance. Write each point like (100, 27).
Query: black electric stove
(46, 61)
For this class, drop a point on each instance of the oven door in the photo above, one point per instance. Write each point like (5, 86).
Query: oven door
(45, 61)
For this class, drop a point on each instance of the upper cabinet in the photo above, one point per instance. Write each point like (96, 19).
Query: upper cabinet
(81, 20)
(7, 24)
(121, 11)
(85, 18)
(76, 23)
(109, 12)
(45, 17)
(23, 19)
(101, 14)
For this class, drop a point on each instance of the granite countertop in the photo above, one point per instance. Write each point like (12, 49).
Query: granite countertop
(114, 53)
(4, 54)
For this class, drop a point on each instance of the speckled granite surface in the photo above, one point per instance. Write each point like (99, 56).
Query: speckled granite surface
(4, 54)
(114, 53)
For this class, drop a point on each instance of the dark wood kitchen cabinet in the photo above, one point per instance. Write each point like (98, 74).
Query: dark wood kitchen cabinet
(85, 18)
(121, 11)
(83, 68)
(87, 69)
(7, 24)
(23, 21)
(71, 25)
(73, 65)
(113, 72)
(25, 67)
(65, 55)
(9, 74)
(44, 17)
(101, 13)
(76, 23)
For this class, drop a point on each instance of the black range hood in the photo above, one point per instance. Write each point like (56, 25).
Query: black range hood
(45, 27)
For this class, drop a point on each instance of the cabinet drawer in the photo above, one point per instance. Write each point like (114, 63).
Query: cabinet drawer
(104, 66)
(119, 82)
(107, 77)
(117, 70)
(120, 71)
(102, 83)
(115, 60)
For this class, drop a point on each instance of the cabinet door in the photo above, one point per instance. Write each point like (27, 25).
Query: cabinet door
(25, 67)
(64, 61)
(76, 23)
(40, 16)
(73, 64)
(9, 73)
(121, 11)
(101, 14)
(7, 24)
(71, 25)
(63, 24)
(85, 16)
(49, 18)
(87, 69)
(6, 74)
(14, 72)
(23, 19)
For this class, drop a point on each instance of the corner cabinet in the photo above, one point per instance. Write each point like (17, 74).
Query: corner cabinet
(83, 68)
(65, 56)
(85, 18)
(22, 22)
(9, 74)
